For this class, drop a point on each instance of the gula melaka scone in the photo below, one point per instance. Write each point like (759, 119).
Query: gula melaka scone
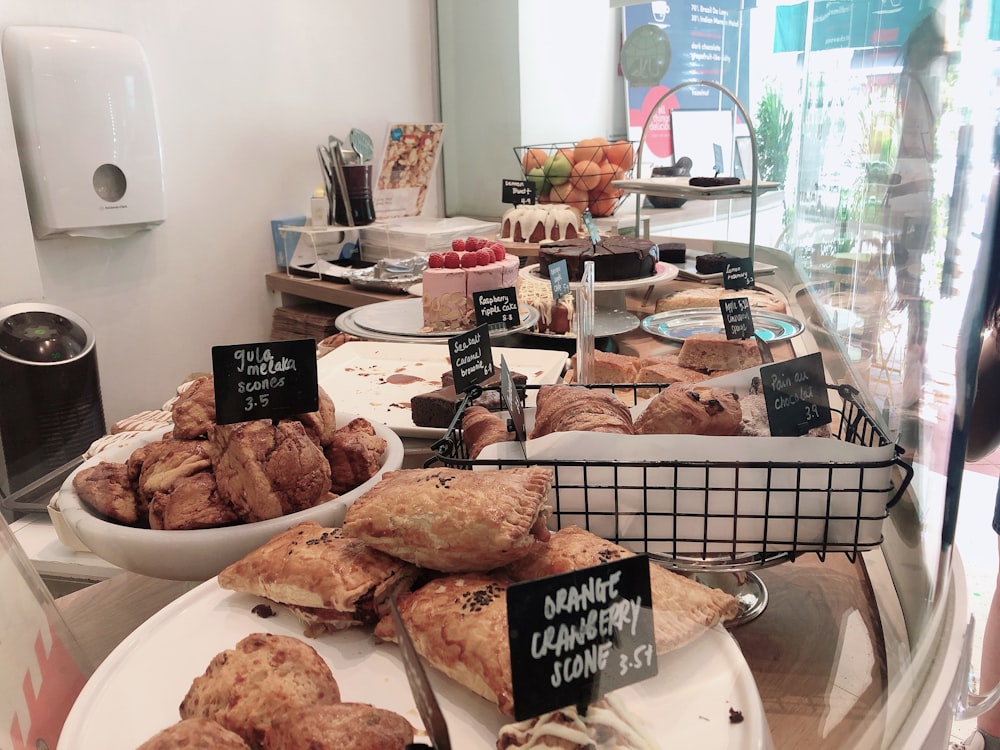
(452, 520)
(326, 580)
(262, 678)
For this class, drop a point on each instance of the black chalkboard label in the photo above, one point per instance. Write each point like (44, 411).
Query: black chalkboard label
(588, 222)
(738, 273)
(559, 276)
(471, 358)
(720, 164)
(795, 395)
(512, 401)
(497, 308)
(271, 380)
(518, 193)
(737, 317)
(579, 635)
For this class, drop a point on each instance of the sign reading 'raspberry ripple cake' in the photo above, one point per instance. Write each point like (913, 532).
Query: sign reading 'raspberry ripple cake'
(268, 380)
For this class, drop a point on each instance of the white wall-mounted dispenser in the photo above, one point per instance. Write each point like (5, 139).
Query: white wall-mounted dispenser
(86, 129)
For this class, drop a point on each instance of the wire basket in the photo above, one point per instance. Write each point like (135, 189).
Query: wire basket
(723, 515)
(579, 174)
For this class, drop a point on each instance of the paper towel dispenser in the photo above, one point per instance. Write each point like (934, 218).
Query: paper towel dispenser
(86, 130)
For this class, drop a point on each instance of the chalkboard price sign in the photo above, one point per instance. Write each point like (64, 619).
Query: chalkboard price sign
(496, 308)
(576, 636)
(737, 318)
(518, 193)
(738, 273)
(559, 277)
(471, 357)
(795, 395)
(512, 401)
(270, 380)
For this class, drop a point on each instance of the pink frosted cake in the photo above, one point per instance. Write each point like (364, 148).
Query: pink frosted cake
(451, 278)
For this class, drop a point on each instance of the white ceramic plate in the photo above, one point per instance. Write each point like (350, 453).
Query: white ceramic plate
(680, 187)
(405, 317)
(198, 554)
(688, 269)
(664, 272)
(379, 379)
(137, 689)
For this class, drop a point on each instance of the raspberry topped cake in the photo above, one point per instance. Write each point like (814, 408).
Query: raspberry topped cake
(472, 265)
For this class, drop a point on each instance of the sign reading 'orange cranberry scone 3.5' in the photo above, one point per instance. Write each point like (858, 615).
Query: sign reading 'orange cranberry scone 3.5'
(268, 380)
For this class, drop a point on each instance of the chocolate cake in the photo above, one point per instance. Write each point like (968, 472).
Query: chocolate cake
(438, 407)
(672, 252)
(616, 258)
(713, 181)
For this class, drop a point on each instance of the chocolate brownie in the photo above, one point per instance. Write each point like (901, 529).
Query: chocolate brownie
(712, 262)
(713, 181)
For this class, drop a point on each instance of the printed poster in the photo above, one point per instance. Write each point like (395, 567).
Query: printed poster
(411, 154)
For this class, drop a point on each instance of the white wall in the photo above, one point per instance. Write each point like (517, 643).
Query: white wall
(244, 92)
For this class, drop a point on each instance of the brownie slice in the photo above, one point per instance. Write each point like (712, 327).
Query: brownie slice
(672, 252)
(438, 407)
(712, 262)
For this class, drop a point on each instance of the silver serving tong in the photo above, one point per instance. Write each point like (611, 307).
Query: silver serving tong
(326, 167)
(420, 686)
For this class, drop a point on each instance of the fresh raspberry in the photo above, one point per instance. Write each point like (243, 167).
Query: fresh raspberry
(452, 260)
(499, 251)
(435, 260)
(458, 245)
(469, 260)
(485, 256)
(473, 243)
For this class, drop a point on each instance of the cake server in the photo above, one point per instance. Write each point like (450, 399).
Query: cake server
(362, 143)
(420, 686)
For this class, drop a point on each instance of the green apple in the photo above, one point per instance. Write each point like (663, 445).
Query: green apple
(536, 176)
(557, 169)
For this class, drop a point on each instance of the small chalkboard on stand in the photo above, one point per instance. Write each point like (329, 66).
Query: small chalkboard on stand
(270, 380)
(795, 395)
(518, 193)
(496, 308)
(511, 400)
(579, 635)
(471, 357)
(737, 317)
(738, 273)
(559, 279)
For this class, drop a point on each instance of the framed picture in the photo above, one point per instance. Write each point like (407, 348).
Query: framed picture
(697, 133)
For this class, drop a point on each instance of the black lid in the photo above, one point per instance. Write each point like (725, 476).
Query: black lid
(42, 336)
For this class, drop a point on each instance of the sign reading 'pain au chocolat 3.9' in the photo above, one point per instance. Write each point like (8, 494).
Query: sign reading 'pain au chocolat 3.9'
(270, 380)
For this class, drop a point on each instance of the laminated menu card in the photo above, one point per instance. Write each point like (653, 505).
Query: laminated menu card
(411, 154)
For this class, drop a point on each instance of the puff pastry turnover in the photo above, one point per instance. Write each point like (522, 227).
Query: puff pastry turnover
(682, 609)
(452, 520)
(458, 624)
(327, 581)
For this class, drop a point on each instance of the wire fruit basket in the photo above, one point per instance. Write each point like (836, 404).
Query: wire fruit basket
(579, 174)
(728, 515)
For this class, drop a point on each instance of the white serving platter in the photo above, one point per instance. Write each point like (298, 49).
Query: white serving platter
(137, 689)
(378, 379)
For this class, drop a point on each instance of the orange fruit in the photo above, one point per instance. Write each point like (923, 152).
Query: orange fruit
(533, 157)
(568, 153)
(586, 174)
(559, 193)
(604, 202)
(590, 149)
(621, 154)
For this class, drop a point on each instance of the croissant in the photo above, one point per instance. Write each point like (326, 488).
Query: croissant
(481, 427)
(562, 408)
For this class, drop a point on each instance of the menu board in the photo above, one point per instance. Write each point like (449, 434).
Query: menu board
(269, 380)
(471, 357)
(795, 395)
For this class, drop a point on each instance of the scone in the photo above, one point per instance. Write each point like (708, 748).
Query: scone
(326, 580)
(193, 410)
(344, 726)
(709, 296)
(355, 455)
(691, 409)
(452, 520)
(713, 352)
(105, 488)
(195, 734)
(262, 678)
(191, 503)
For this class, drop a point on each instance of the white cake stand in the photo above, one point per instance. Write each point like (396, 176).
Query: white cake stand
(611, 315)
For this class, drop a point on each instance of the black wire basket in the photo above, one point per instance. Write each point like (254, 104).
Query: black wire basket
(721, 515)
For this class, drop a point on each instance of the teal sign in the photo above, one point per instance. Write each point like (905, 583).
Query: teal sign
(837, 24)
